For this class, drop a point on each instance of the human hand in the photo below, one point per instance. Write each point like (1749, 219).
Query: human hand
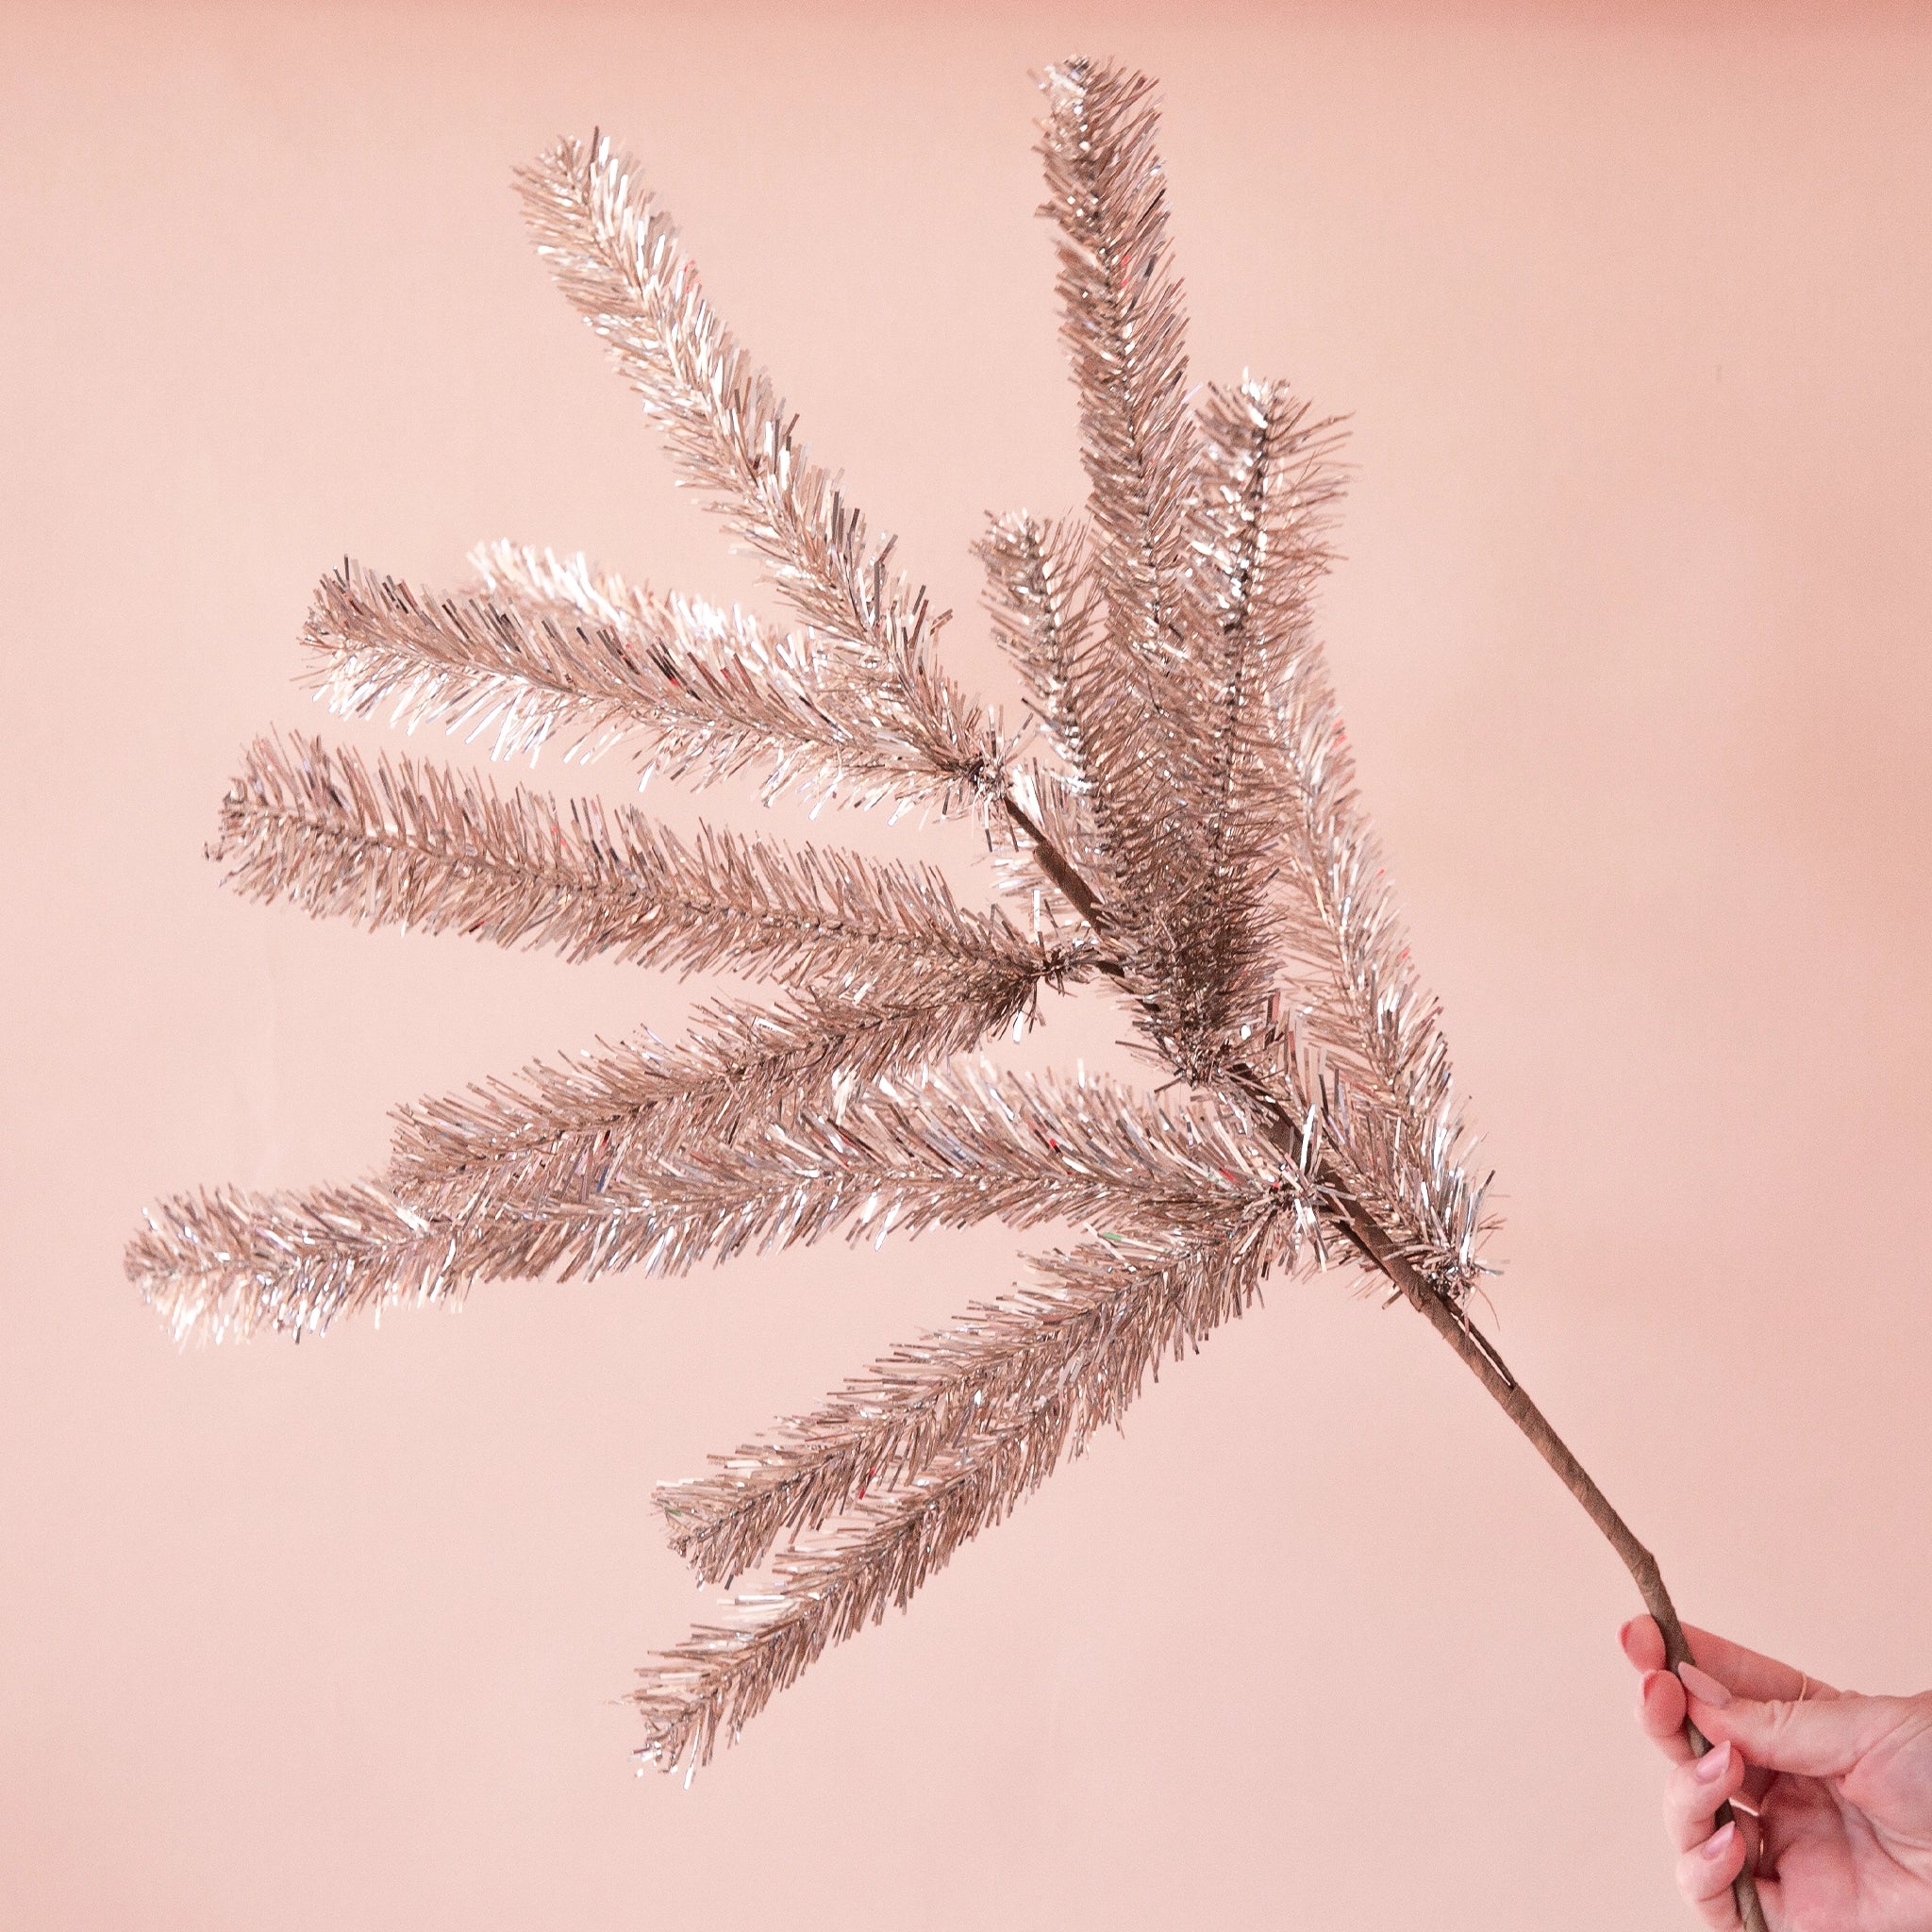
(1833, 1790)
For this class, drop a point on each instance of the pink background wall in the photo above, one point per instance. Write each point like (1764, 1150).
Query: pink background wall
(1632, 634)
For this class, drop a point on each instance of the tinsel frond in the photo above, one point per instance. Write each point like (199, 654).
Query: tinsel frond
(1039, 594)
(940, 1151)
(1125, 332)
(224, 1264)
(554, 652)
(1041, 599)
(1292, 872)
(1364, 1032)
(402, 844)
(619, 260)
(1057, 1362)
(939, 1442)
(740, 1068)
(935, 1149)
(824, 1593)
(1146, 712)
(1267, 479)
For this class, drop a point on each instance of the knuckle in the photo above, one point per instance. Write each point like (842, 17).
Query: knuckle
(1779, 1718)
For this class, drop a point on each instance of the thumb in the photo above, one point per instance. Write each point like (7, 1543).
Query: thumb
(1820, 1738)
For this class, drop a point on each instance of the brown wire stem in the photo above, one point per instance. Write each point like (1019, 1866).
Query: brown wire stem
(1477, 1351)
(1481, 1356)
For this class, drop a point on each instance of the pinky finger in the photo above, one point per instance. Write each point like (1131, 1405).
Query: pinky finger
(1705, 1873)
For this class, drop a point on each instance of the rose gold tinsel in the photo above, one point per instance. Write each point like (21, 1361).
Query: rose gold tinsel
(1179, 818)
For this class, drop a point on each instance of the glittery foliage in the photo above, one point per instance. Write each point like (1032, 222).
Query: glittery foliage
(1175, 820)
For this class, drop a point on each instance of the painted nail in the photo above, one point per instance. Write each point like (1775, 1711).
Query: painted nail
(1713, 1764)
(1703, 1685)
(1719, 1842)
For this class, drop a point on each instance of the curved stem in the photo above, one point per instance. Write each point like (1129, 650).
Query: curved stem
(1490, 1369)
(1468, 1342)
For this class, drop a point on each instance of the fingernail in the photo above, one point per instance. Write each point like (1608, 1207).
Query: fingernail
(1719, 1842)
(1703, 1685)
(1624, 1634)
(1713, 1764)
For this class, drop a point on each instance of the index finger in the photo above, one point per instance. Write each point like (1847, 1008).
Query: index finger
(1748, 1672)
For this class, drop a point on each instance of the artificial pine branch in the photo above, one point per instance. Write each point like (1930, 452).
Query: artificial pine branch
(1193, 839)
(225, 1264)
(402, 843)
(1075, 1347)
(740, 1068)
(1043, 602)
(1125, 332)
(1142, 747)
(961, 1450)
(1361, 1018)
(554, 652)
(725, 1673)
(619, 260)
(1265, 486)
(938, 1152)
(1041, 596)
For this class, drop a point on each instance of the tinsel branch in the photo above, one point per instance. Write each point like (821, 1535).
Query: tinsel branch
(1191, 835)
(1283, 787)
(1142, 733)
(1060, 1360)
(1362, 1027)
(1125, 333)
(556, 653)
(401, 843)
(1042, 601)
(724, 1674)
(226, 1264)
(1259, 516)
(951, 1468)
(1041, 596)
(934, 1151)
(620, 261)
(740, 1068)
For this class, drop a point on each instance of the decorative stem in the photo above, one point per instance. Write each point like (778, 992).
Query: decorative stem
(1476, 1349)
(1491, 1373)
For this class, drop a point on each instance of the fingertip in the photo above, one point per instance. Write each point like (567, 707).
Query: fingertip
(1659, 1696)
(1642, 1642)
(1706, 1871)
(1660, 1712)
(1694, 1791)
